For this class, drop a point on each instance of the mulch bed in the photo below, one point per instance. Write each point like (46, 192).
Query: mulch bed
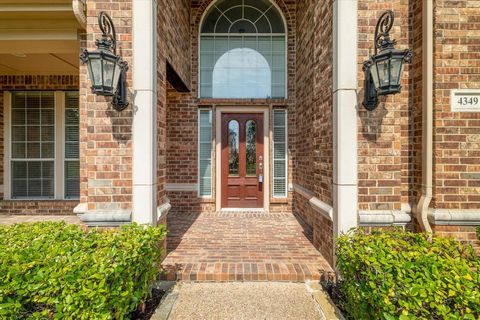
(146, 310)
(333, 290)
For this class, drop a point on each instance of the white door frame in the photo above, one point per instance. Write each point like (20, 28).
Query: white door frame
(218, 150)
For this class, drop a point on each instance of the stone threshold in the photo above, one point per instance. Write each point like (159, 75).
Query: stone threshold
(231, 272)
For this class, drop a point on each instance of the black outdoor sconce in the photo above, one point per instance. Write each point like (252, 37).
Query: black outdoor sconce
(106, 70)
(383, 71)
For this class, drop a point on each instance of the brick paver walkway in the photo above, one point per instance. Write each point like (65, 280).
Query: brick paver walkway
(241, 247)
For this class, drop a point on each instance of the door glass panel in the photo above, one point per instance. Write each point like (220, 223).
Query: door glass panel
(251, 134)
(233, 146)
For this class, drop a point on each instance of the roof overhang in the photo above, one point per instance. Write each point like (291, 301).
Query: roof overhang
(40, 37)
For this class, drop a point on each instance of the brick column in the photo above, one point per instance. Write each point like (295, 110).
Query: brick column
(105, 134)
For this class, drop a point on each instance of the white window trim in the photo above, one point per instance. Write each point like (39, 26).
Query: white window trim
(198, 154)
(286, 153)
(59, 161)
(62, 147)
(7, 105)
(200, 34)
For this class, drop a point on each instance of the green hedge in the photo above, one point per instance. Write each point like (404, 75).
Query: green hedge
(402, 275)
(59, 271)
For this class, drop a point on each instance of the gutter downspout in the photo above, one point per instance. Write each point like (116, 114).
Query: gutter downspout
(427, 117)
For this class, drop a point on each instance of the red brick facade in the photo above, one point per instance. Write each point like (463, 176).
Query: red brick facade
(105, 134)
(173, 46)
(182, 152)
(389, 138)
(456, 134)
(383, 139)
(313, 148)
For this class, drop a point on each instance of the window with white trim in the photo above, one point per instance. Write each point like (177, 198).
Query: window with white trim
(243, 50)
(40, 125)
(205, 153)
(280, 154)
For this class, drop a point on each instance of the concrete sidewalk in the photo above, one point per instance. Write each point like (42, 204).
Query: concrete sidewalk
(241, 300)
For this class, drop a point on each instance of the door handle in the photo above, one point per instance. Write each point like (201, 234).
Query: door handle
(260, 167)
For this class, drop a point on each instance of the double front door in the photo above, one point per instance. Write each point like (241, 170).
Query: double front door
(242, 160)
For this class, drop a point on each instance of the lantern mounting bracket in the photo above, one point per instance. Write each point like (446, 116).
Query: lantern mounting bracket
(383, 70)
(370, 96)
(109, 36)
(107, 70)
(382, 32)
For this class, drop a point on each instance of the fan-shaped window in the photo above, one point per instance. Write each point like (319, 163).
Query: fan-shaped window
(242, 50)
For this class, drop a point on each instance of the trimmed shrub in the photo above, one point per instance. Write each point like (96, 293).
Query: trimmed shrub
(403, 275)
(60, 271)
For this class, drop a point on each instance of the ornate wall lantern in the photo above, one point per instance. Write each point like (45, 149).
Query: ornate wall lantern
(383, 70)
(106, 70)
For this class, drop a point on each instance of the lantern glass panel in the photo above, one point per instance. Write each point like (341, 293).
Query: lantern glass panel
(396, 70)
(96, 70)
(383, 72)
(116, 75)
(108, 72)
(374, 74)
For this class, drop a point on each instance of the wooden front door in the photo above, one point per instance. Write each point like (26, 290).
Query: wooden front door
(242, 160)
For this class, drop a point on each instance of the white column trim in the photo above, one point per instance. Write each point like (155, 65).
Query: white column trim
(345, 177)
(144, 171)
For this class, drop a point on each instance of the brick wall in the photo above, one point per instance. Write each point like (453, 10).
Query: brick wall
(177, 27)
(33, 82)
(390, 138)
(44, 207)
(414, 154)
(181, 127)
(313, 123)
(383, 136)
(182, 138)
(182, 144)
(106, 134)
(456, 135)
(173, 45)
(313, 117)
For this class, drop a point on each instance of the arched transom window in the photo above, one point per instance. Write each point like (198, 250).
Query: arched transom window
(243, 50)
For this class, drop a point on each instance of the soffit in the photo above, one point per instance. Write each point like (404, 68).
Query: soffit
(40, 37)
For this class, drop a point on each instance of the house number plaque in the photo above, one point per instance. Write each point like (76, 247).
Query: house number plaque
(465, 100)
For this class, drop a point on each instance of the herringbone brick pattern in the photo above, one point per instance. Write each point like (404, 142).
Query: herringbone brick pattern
(242, 247)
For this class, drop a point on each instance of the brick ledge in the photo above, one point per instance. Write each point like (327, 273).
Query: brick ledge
(383, 218)
(454, 217)
(318, 205)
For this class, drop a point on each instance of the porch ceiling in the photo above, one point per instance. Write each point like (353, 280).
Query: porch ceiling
(39, 37)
